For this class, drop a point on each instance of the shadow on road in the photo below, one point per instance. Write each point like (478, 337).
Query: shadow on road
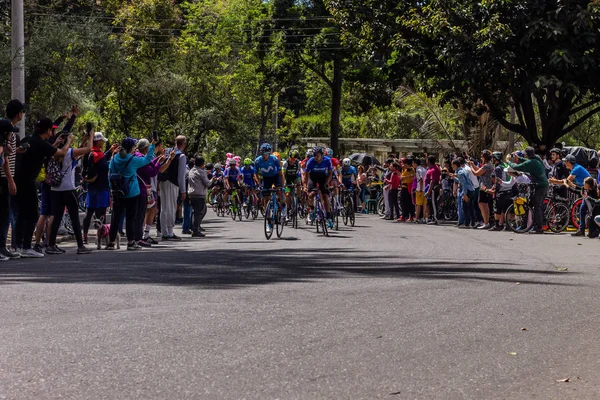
(230, 269)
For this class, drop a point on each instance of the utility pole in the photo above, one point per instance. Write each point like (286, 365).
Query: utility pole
(18, 56)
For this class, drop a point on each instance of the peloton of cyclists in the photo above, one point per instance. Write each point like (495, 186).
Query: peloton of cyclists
(231, 178)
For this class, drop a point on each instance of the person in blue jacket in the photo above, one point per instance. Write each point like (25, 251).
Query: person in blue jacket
(126, 164)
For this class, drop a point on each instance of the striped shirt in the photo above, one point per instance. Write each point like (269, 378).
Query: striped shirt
(12, 142)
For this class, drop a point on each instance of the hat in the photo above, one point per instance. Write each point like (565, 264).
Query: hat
(571, 158)
(14, 107)
(98, 136)
(497, 155)
(128, 143)
(556, 150)
(5, 126)
(43, 124)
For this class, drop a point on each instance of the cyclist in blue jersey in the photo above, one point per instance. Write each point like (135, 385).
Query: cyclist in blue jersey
(269, 167)
(319, 173)
(348, 174)
(231, 178)
(249, 173)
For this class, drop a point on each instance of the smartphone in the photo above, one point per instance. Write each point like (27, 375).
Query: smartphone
(24, 146)
(154, 136)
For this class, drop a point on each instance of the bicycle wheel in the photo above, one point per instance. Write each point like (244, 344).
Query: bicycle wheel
(254, 207)
(557, 217)
(294, 212)
(351, 213)
(324, 226)
(278, 223)
(268, 221)
(521, 223)
(81, 197)
(336, 221)
(248, 207)
(239, 207)
(233, 208)
(345, 217)
(575, 217)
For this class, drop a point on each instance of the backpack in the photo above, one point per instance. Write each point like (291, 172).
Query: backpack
(164, 176)
(118, 183)
(90, 170)
(54, 171)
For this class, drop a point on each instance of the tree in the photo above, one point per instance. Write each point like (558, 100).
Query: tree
(537, 56)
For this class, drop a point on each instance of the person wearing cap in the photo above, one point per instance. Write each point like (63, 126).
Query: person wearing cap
(575, 180)
(532, 164)
(95, 174)
(27, 169)
(484, 173)
(126, 164)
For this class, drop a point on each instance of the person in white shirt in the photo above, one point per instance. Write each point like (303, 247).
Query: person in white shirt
(420, 200)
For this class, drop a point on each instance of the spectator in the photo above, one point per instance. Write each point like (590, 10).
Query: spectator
(475, 210)
(15, 111)
(576, 179)
(408, 175)
(126, 165)
(387, 174)
(591, 199)
(363, 183)
(172, 185)
(7, 185)
(146, 197)
(392, 184)
(63, 195)
(532, 164)
(95, 174)
(198, 187)
(420, 201)
(432, 185)
(485, 175)
(186, 226)
(558, 172)
(501, 199)
(27, 169)
(466, 195)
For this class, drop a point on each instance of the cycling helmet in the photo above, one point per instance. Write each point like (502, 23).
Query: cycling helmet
(218, 166)
(557, 151)
(265, 148)
(276, 154)
(247, 161)
(346, 162)
(232, 162)
(318, 150)
(294, 154)
(310, 154)
(497, 155)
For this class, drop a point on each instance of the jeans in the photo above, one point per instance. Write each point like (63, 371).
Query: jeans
(60, 200)
(583, 210)
(28, 214)
(460, 209)
(127, 207)
(199, 205)
(140, 216)
(187, 216)
(468, 209)
(537, 203)
(393, 201)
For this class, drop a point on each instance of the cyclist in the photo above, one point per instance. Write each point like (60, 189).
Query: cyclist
(348, 174)
(291, 172)
(231, 178)
(249, 177)
(217, 177)
(319, 172)
(335, 163)
(269, 167)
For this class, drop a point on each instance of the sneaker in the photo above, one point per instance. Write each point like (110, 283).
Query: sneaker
(432, 222)
(486, 226)
(133, 246)
(269, 229)
(186, 232)
(198, 235)
(497, 228)
(175, 238)
(578, 233)
(201, 229)
(30, 253)
(3, 258)
(308, 219)
(53, 250)
(141, 243)
(410, 220)
(536, 232)
(464, 227)
(9, 254)
(61, 250)
(110, 246)
(83, 250)
(149, 240)
(38, 247)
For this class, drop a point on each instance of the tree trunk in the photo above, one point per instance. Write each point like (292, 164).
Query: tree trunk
(336, 104)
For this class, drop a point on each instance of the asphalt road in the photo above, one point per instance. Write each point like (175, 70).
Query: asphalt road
(378, 311)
